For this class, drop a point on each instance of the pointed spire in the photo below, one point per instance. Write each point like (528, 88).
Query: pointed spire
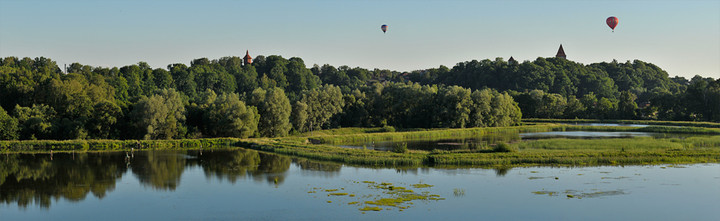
(561, 53)
(512, 60)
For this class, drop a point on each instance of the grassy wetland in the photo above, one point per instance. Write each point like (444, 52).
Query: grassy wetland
(325, 146)
(555, 152)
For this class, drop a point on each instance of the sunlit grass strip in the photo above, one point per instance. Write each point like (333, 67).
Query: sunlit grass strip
(100, 145)
(575, 152)
(412, 135)
(474, 132)
(342, 155)
(648, 122)
(560, 152)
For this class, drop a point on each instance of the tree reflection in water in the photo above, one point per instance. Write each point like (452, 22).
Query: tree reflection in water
(242, 163)
(27, 179)
(38, 178)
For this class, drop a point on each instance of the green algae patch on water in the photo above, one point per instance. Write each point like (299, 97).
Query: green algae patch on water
(575, 194)
(385, 197)
(367, 208)
(549, 193)
(422, 185)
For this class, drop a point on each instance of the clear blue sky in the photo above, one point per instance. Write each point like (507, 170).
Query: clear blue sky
(682, 37)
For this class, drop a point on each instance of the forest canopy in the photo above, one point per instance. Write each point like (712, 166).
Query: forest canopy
(275, 96)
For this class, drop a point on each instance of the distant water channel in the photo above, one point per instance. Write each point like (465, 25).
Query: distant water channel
(245, 184)
(479, 142)
(609, 124)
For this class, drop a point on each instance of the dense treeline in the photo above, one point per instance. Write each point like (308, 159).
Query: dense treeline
(224, 98)
(276, 96)
(559, 88)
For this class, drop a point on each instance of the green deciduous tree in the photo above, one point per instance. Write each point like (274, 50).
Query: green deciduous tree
(230, 117)
(274, 108)
(322, 104)
(160, 116)
(35, 122)
(8, 126)
(299, 116)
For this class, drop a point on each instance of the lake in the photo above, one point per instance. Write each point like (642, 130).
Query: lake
(242, 184)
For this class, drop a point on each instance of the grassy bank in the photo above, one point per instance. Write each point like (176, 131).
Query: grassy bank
(102, 145)
(646, 122)
(337, 154)
(577, 152)
(556, 152)
(469, 132)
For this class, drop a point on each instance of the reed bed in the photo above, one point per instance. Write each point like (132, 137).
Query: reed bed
(341, 155)
(556, 152)
(646, 122)
(575, 152)
(101, 145)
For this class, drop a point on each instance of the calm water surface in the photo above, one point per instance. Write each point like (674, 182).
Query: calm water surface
(610, 124)
(249, 185)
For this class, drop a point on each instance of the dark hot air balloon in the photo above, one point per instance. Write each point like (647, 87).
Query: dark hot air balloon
(612, 21)
(384, 28)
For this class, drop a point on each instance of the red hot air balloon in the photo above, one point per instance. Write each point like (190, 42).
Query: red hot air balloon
(612, 21)
(384, 28)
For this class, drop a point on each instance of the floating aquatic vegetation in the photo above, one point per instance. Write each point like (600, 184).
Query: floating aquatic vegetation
(458, 192)
(549, 193)
(615, 178)
(579, 195)
(367, 208)
(422, 185)
(535, 178)
(390, 196)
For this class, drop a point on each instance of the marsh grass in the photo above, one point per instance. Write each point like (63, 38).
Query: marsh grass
(342, 138)
(103, 145)
(559, 152)
(431, 134)
(576, 152)
(646, 122)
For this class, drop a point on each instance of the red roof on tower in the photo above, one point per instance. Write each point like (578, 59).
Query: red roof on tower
(247, 59)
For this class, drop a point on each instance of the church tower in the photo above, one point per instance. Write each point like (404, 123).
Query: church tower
(561, 53)
(247, 59)
(512, 60)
